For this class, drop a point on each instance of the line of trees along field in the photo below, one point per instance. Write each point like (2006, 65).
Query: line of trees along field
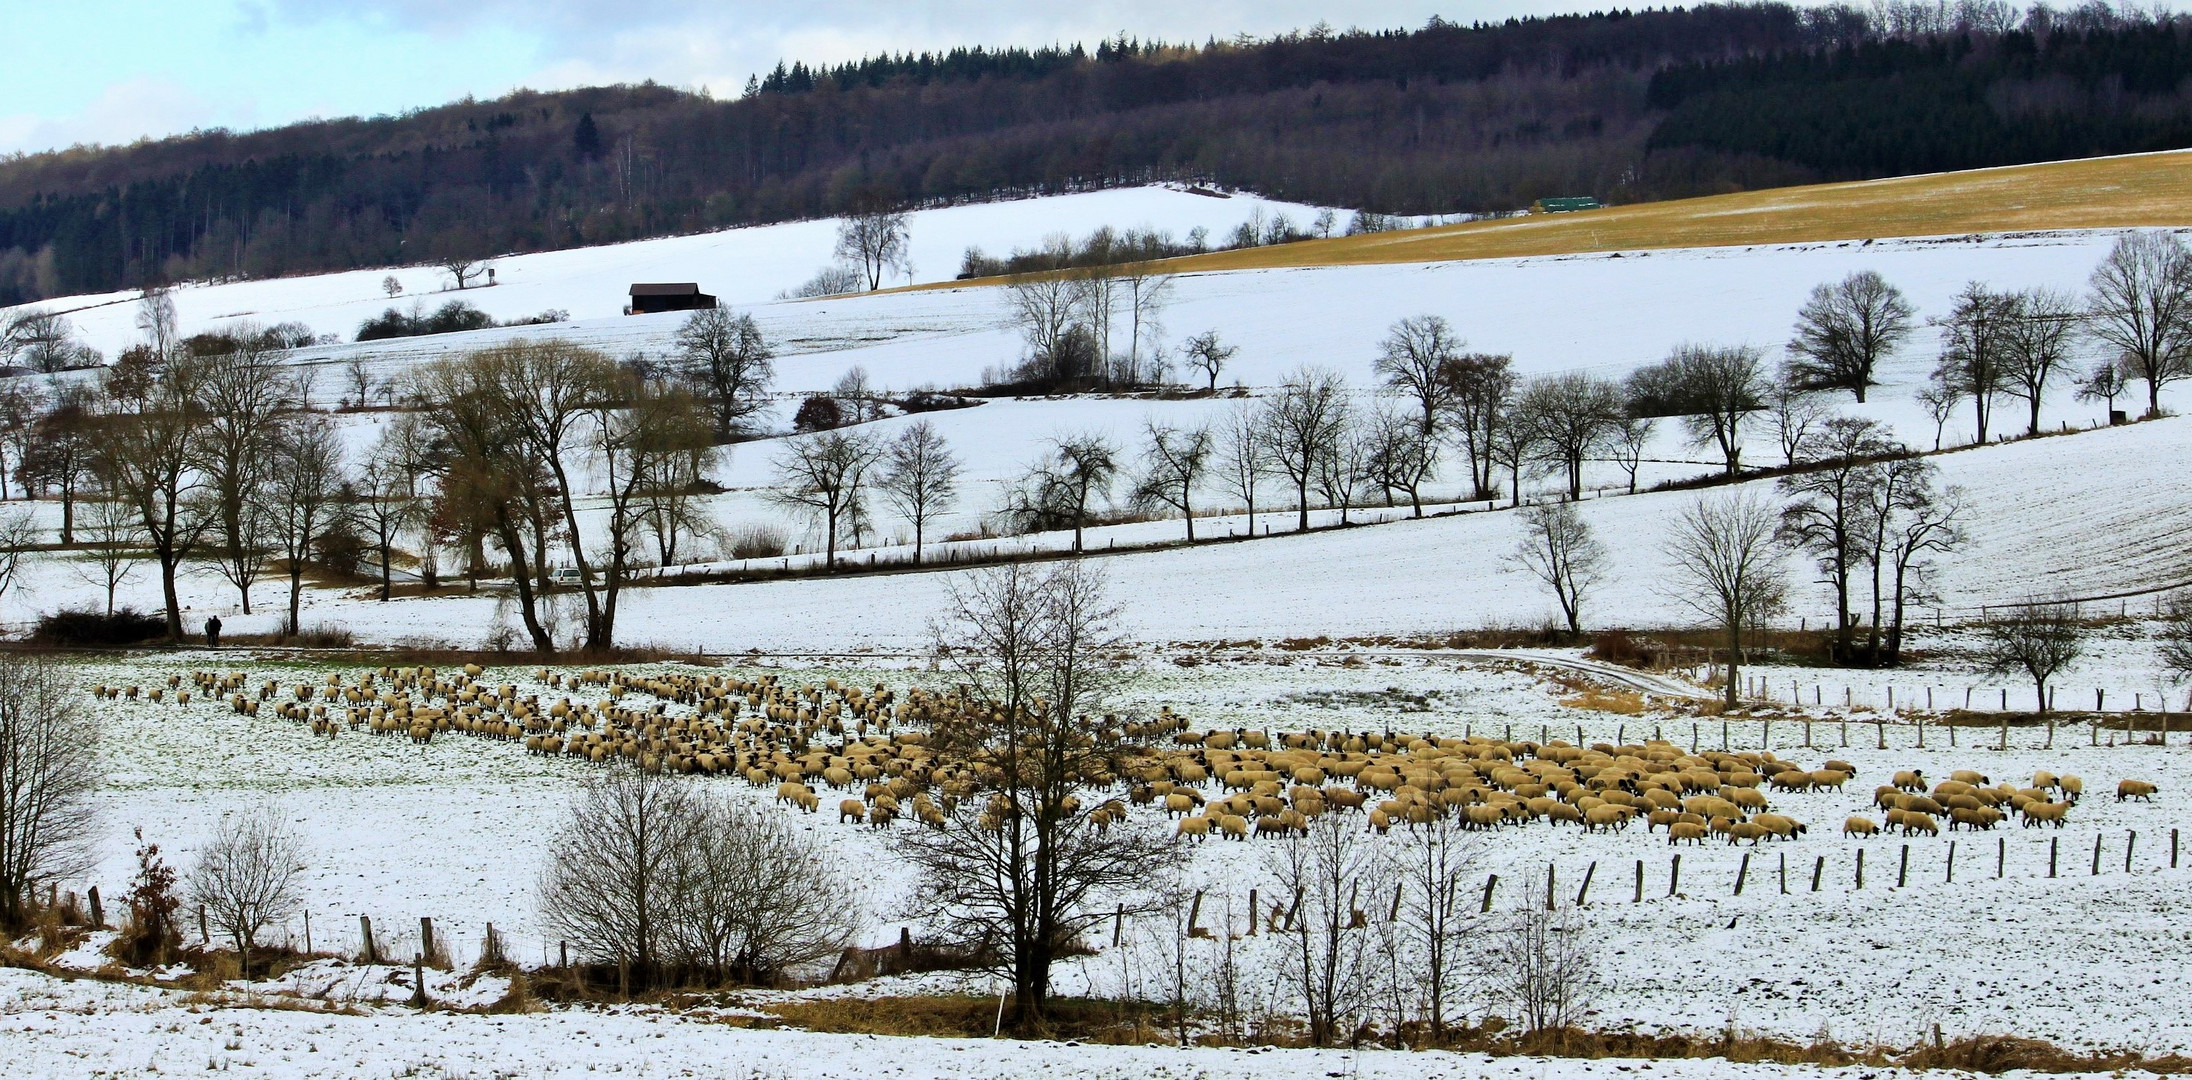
(1447, 118)
(210, 449)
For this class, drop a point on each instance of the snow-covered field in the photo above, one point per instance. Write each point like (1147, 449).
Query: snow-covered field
(1598, 312)
(457, 831)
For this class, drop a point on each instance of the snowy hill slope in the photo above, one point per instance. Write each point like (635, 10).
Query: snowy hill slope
(740, 266)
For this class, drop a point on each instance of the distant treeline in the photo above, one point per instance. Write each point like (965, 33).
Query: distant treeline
(1447, 118)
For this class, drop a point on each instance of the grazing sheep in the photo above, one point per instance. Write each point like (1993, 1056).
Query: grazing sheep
(1859, 826)
(1787, 828)
(2135, 789)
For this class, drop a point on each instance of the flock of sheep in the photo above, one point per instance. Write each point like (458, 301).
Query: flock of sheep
(1233, 784)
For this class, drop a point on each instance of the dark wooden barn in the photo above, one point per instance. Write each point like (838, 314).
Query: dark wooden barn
(648, 298)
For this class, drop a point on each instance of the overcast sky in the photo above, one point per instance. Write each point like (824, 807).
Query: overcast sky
(103, 71)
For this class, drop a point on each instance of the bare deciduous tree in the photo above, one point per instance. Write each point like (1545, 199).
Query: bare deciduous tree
(1399, 456)
(1415, 361)
(2040, 337)
(1019, 868)
(143, 457)
(1559, 549)
(2105, 382)
(1796, 415)
(246, 877)
(462, 270)
(1327, 958)
(49, 776)
(18, 545)
(1147, 294)
(757, 897)
(920, 477)
(2141, 307)
(1570, 419)
(1844, 330)
(1830, 515)
(1712, 388)
(1432, 866)
(1244, 455)
(2036, 639)
(386, 498)
(1542, 967)
(725, 357)
(238, 394)
(306, 487)
(156, 320)
(613, 888)
(1632, 436)
(1081, 468)
(1207, 354)
(1047, 310)
(824, 474)
(1481, 389)
(1975, 348)
(1178, 461)
(876, 242)
(1727, 569)
(1302, 427)
(113, 550)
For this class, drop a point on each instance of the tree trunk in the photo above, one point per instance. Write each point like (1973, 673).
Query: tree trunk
(1735, 652)
(168, 560)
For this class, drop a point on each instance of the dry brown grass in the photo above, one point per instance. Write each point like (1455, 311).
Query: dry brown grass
(2108, 192)
(1621, 702)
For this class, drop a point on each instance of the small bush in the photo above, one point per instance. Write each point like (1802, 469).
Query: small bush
(124, 627)
(820, 412)
(759, 542)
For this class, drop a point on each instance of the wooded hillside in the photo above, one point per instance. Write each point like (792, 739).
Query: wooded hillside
(1448, 118)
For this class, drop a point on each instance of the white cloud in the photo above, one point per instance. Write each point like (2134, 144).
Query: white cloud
(122, 113)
